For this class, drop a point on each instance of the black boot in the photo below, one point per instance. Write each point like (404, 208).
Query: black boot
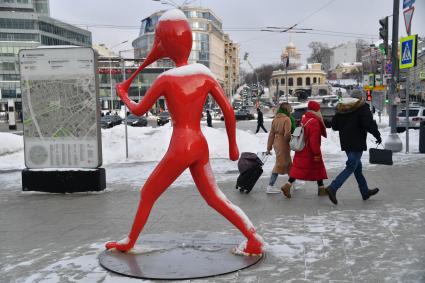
(371, 193)
(332, 195)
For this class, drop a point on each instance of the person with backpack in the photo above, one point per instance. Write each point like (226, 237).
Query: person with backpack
(353, 120)
(308, 162)
(282, 127)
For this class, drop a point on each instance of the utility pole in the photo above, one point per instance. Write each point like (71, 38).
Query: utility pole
(245, 57)
(393, 141)
(125, 107)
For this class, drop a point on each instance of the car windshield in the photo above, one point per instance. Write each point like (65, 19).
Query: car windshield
(133, 117)
(412, 113)
(107, 117)
(164, 114)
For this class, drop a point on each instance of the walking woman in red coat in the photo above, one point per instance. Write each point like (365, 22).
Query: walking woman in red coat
(308, 163)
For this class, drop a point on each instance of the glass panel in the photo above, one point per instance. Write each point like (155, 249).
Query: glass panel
(412, 113)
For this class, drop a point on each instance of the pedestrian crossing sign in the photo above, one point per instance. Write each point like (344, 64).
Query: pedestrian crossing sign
(408, 51)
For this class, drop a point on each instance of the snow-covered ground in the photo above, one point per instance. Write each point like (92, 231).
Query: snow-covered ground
(147, 146)
(302, 240)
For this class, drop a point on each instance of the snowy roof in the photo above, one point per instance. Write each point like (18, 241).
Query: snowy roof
(173, 15)
(350, 64)
(346, 82)
(188, 70)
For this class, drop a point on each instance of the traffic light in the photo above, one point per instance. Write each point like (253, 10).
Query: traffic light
(369, 95)
(383, 33)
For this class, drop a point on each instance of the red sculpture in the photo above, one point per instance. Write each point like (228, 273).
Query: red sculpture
(185, 89)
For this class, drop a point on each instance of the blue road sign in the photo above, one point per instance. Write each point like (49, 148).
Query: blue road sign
(408, 3)
(408, 52)
(388, 68)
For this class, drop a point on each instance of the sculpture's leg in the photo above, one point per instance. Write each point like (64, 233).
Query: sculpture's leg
(205, 181)
(161, 178)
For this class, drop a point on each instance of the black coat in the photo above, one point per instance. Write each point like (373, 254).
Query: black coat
(209, 120)
(260, 119)
(353, 121)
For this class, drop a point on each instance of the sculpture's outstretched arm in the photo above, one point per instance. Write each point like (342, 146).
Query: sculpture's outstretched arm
(154, 92)
(229, 119)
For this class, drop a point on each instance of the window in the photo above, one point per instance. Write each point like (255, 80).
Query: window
(412, 113)
(282, 81)
(16, 23)
(68, 34)
(18, 37)
(290, 81)
(199, 25)
(314, 80)
(307, 81)
(319, 81)
(7, 66)
(299, 81)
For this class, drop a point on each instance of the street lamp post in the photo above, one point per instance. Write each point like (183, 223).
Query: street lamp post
(393, 141)
(110, 73)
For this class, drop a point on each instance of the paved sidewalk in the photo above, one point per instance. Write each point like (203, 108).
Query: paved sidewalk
(56, 238)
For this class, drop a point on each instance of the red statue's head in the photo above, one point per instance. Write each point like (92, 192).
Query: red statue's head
(173, 38)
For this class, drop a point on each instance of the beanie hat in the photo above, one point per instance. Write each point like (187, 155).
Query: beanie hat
(313, 105)
(357, 94)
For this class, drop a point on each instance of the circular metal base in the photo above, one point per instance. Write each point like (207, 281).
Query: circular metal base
(179, 257)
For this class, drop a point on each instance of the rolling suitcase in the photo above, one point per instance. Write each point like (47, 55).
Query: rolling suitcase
(250, 168)
(246, 181)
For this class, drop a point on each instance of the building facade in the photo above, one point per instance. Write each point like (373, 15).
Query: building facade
(297, 81)
(300, 83)
(348, 71)
(294, 56)
(209, 41)
(231, 66)
(27, 24)
(343, 53)
(112, 70)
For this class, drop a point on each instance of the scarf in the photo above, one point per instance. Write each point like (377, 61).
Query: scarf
(293, 124)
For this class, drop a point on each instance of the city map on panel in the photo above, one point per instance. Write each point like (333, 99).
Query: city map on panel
(54, 108)
(60, 108)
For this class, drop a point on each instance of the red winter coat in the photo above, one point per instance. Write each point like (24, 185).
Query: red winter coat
(304, 167)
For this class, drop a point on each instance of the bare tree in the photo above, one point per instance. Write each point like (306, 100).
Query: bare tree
(321, 53)
(264, 73)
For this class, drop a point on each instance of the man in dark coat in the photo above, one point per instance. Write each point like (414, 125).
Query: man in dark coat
(260, 121)
(209, 119)
(353, 120)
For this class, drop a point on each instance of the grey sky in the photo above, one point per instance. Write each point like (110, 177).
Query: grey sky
(349, 16)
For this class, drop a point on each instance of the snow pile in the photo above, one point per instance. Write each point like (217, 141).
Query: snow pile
(10, 143)
(173, 15)
(150, 144)
(187, 70)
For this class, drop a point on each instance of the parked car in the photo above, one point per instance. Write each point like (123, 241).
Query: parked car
(163, 118)
(242, 114)
(328, 111)
(109, 121)
(416, 116)
(137, 121)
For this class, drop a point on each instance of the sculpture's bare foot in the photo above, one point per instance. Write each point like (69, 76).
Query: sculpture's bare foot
(122, 246)
(253, 247)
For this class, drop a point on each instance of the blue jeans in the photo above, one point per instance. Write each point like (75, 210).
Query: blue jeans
(353, 165)
(273, 179)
